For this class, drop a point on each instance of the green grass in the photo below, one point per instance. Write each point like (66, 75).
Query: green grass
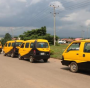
(58, 50)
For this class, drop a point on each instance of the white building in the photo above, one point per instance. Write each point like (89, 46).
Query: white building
(1, 38)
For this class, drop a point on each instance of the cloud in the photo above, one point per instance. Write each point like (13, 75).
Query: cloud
(34, 2)
(14, 7)
(70, 17)
(11, 7)
(87, 23)
(36, 13)
(59, 27)
(22, 0)
(15, 30)
(57, 3)
(4, 30)
(73, 0)
(75, 20)
(78, 16)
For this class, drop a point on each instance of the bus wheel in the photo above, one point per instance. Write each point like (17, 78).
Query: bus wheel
(31, 59)
(45, 60)
(73, 67)
(19, 57)
(12, 55)
(4, 53)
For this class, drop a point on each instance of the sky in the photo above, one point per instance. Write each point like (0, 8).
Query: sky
(72, 17)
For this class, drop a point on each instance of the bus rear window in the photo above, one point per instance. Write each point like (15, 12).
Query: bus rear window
(42, 45)
(18, 43)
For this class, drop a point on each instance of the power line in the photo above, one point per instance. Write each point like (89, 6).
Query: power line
(39, 15)
(12, 32)
(78, 5)
(43, 17)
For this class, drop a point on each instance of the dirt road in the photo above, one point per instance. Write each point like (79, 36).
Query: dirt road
(16, 73)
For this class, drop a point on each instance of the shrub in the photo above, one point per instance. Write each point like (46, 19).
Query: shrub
(57, 44)
(51, 52)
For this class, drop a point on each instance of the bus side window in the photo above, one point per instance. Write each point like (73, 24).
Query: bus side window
(27, 45)
(22, 46)
(9, 44)
(32, 45)
(6, 44)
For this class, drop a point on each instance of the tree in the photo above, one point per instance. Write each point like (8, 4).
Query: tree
(38, 34)
(6, 38)
(33, 34)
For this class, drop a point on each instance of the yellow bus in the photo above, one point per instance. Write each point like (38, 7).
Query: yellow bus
(77, 55)
(11, 48)
(0, 47)
(35, 50)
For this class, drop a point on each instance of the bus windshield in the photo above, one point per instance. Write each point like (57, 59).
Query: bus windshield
(42, 45)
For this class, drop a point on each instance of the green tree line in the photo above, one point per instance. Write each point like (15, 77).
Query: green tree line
(38, 34)
(6, 38)
(33, 34)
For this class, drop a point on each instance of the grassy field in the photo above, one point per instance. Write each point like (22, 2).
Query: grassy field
(58, 50)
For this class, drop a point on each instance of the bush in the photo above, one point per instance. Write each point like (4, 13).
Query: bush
(51, 52)
(57, 44)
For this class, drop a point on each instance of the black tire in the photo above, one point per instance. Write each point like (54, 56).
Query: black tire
(8, 55)
(73, 67)
(4, 53)
(31, 59)
(12, 55)
(45, 60)
(19, 57)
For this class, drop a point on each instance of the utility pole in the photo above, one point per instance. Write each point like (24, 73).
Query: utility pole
(12, 32)
(83, 34)
(87, 32)
(54, 14)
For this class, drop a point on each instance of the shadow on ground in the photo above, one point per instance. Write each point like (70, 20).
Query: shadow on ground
(38, 61)
(81, 71)
(65, 68)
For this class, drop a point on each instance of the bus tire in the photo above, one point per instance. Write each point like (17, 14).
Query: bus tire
(4, 53)
(19, 57)
(31, 59)
(12, 55)
(45, 60)
(73, 67)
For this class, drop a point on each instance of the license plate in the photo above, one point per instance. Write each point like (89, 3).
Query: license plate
(42, 53)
